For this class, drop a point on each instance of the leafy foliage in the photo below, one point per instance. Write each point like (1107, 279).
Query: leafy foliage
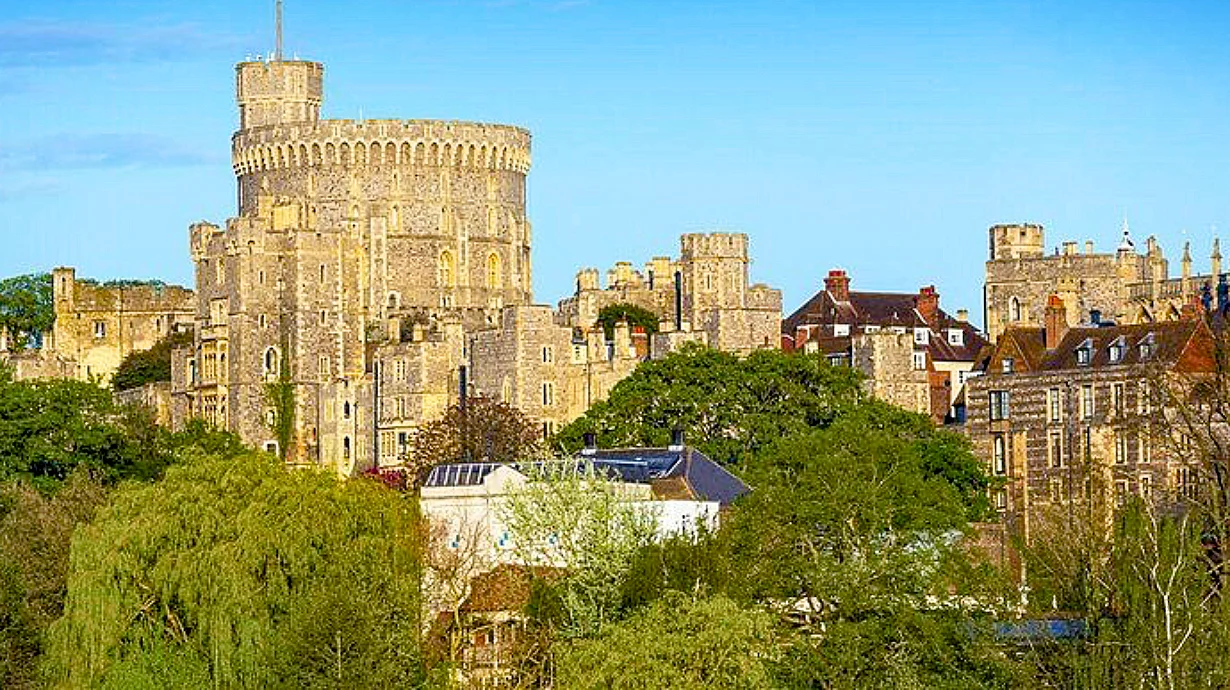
(679, 643)
(26, 308)
(578, 521)
(35, 530)
(489, 430)
(280, 395)
(149, 366)
(729, 407)
(240, 573)
(50, 427)
(635, 316)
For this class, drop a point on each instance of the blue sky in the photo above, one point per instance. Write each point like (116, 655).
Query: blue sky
(879, 137)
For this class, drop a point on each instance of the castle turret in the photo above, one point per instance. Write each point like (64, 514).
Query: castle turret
(278, 92)
(1016, 241)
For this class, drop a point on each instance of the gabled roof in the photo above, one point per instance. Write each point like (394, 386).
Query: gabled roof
(1174, 344)
(886, 310)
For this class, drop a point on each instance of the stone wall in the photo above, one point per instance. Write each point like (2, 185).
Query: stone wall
(97, 325)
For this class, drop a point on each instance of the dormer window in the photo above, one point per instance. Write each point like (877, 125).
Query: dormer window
(956, 336)
(871, 328)
(1084, 353)
(922, 336)
(841, 330)
(1006, 365)
(1147, 347)
(1116, 350)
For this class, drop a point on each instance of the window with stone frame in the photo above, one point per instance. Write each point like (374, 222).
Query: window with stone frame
(1055, 490)
(999, 455)
(1145, 484)
(1054, 405)
(1001, 499)
(999, 409)
(1054, 448)
(1121, 447)
(920, 360)
(1088, 406)
(1117, 399)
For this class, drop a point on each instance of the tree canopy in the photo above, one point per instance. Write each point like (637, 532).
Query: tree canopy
(730, 407)
(489, 431)
(149, 366)
(634, 315)
(242, 573)
(26, 308)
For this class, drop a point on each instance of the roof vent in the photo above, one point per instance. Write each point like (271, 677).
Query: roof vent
(676, 439)
(591, 443)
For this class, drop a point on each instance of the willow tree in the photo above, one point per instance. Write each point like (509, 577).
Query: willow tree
(241, 573)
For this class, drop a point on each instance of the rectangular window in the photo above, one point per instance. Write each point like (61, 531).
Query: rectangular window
(1144, 402)
(1087, 401)
(999, 405)
(1055, 490)
(841, 330)
(920, 361)
(100, 329)
(1001, 499)
(1185, 482)
(1146, 486)
(1088, 444)
(1121, 447)
(1146, 446)
(922, 336)
(999, 455)
(548, 394)
(1054, 405)
(1116, 399)
(1006, 365)
(1055, 448)
(324, 317)
(1121, 490)
(956, 336)
(548, 354)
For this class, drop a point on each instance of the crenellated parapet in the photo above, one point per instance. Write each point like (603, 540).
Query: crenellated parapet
(378, 143)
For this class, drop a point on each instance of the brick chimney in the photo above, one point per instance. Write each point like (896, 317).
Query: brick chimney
(928, 303)
(1055, 322)
(837, 284)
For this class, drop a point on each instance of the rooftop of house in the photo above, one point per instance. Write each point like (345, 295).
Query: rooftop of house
(681, 473)
(1165, 343)
(836, 304)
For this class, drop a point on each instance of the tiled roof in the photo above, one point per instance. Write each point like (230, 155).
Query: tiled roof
(1169, 346)
(883, 309)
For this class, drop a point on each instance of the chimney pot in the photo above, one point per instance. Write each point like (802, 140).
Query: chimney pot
(1055, 322)
(837, 284)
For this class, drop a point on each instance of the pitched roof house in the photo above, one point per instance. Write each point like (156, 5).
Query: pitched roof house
(923, 371)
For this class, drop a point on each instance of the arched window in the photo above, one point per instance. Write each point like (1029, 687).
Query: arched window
(493, 271)
(1014, 309)
(346, 447)
(346, 410)
(447, 269)
(271, 361)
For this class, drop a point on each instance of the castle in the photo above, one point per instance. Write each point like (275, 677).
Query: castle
(376, 267)
(1126, 287)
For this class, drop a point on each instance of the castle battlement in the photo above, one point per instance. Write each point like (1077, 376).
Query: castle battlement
(438, 143)
(731, 245)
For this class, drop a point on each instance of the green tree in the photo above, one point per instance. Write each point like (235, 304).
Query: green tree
(577, 520)
(855, 530)
(35, 530)
(149, 366)
(635, 316)
(50, 427)
(26, 308)
(730, 407)
(241, 573)
(678, 643)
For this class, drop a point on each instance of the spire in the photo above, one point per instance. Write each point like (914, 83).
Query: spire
(277, 50)
(1127, 244)
(1187, 252)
